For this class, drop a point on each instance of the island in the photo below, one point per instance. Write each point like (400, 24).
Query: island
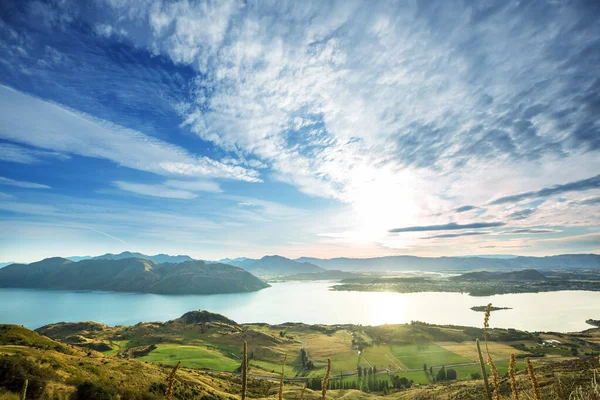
(481, 283)
(493, 308)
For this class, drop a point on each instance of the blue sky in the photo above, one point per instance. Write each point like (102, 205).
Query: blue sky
(241, 128)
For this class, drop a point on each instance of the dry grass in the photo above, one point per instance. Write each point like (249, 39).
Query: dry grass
(326, 380)
(171, 382)
(511, 373)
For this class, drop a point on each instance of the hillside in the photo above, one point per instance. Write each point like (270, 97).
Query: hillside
(141, 356)
(130, 275)
(413, 263)
(273, 266)
(527, 275)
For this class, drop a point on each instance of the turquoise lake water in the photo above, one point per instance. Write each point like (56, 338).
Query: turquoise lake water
(308, 302)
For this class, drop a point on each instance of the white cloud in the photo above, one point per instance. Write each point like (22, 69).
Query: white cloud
(66, 131)
(22, 184)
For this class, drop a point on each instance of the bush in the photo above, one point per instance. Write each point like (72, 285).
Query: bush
(93, 391)
(14, 370)
(450, 374)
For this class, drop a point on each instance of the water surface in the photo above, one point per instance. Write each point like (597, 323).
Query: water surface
(308, 302)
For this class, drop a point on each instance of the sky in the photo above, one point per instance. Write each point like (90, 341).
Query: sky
(353, 128)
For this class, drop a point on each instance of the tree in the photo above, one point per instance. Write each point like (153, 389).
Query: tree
(359, 370)
(574, 351)
(425, 368)
(374, 370)
(451, 374)
(441, 375)
(431, 371)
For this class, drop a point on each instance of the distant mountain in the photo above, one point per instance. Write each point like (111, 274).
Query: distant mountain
(527, 275)
(324, 275)
(130, 275)
(273, 266)
(159, 258)
(4, 264)
(413, 263)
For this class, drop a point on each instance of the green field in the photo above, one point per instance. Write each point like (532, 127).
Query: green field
(192, 357)
(414, 356)
(416, 376)
(382, 358)
(116, 346)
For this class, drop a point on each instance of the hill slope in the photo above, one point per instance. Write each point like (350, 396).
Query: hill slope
(130, 275)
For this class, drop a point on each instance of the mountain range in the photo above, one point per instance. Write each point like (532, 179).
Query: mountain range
(130, 275)
(159, 258)
(413, 263)
(273, 265)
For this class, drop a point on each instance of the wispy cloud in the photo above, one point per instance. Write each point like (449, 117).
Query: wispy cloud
(194, 186)
(154, 190)
(22, 184)
(447, 227)
(576, 186)
(522, 214)
(453, 235)
(23, 155)
(76, 133)
(589, 202)
(465, 208)
(530, 231)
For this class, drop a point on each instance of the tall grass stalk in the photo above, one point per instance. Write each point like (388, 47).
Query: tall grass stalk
(171, 382)
(282, 376)
(303, 389)
(24, 391)
(483, 371)
(495, 376)
(534, 384)
(511, 374)
(326, 380)
(245, 371)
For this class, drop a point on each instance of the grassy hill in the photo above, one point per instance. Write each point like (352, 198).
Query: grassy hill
(55, 370)
(405, 359)
(131, 275)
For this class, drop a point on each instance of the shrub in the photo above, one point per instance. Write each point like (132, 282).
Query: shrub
(14, 370)
(450, 374)
(93, 391)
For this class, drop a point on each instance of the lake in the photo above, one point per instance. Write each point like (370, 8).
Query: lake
(308, 302)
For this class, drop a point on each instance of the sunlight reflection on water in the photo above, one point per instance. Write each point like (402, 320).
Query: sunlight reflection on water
(309, 302)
